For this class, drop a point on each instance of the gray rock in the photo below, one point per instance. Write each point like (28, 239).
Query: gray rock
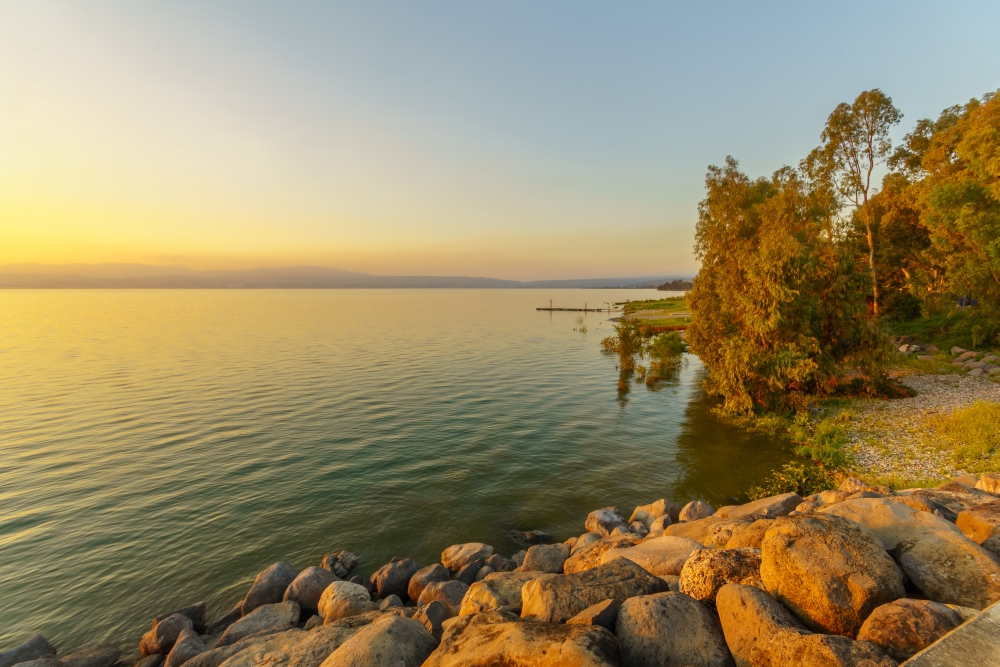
(708, 570)
(44, 661)
(161, 638)
(529, 537)
(154, 660)
(765, 508)
(951, 569)
(196, 612)
(747, 615)
(467, 574)
(391, 641)
(660, 524)
(458, 556)
(424, 576)
(518, 558)
(546, 558)
(499, 563)
(314, 621)
(364, 583)
(659, 509)
(394, 577)
(222, 622)
(269, 586)
(102, 655)
(433, 615)
(483, 572)
(266, 618)
(604, 521)
(339, 563)
(449, 592)
(187, 646)
(696, 509)
(34, 648)
(670, 629)
(308, 587)
(604, 614)
(582, 542)
(390, 602)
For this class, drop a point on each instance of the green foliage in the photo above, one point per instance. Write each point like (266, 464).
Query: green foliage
(973, 436)
(900, 306)
(804, 478)
(673, 304)
(825, 444)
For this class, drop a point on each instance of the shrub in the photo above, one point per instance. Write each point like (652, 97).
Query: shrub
(804, 478)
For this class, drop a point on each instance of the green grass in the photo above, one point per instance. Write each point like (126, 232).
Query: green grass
(673, 304)
(823, 442)
(973, 436)
(953, 328)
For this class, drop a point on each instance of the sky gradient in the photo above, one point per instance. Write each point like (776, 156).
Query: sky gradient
(517, 140)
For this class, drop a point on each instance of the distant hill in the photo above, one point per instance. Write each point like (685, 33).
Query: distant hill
(146, 276)
(677, 285)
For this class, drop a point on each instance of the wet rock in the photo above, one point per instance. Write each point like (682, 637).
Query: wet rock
(696, 509)
(499, 563)
(659, 555)
(828, 571)
(424, 576)
(102, 655)
(590, 555)
(546, 558)
(904, 627)
(339, 563)
(554, 598)
(394, 577)
(308, 587)
(496, 638)
(458, 556)
(196, 612)
(187, 646)
(433, 615)
(34, 648)
(750, 535)
(747, 615)
(220, 624)
(341, 590)
(449, 592)
(765, 508)
(708, 570)
(269, 586)
(604, 614)
(266, 618)
(604, 521)
(647, 514)
(161, 638)
(395, 641)
(467, 574)
(529, 537)
(951, 569)
(980, 522)
(670, 629)
(789, 646)
(500, 591)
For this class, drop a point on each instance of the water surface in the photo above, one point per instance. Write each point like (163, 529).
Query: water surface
(161, 447)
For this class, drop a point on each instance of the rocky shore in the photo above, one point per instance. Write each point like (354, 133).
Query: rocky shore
(854, 576)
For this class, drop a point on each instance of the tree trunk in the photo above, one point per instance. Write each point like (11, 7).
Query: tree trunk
(871, 263)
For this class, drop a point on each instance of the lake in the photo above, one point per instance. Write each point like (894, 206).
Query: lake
(161, 447)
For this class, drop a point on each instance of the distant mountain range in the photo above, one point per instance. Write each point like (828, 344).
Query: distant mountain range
(146, 276)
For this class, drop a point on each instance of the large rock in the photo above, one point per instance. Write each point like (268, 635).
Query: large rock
(904, 627)
(723, 530)
(954, 497)
(392, 641)
(604, 614)
(951, 569)
(267, 618)
(890, 521)
(708, 570)
(604, 521)
(694, 510)
(458, 556)
(499, 639)
(161, 638)
(828, 571)
(424, 576)
(34, 648)
(989, 483)
(748, 615)
(980, 522)
(751, 535)
(103, 655)
(500, 591)
(670, 629)
(44, 661)
(583, 542)
(393, 578)
(340, 590)
(308, 587)
(269, 586)
(765, 508)
(647, 514)
(699, 530)
(789, 647)
(450, 593)
(187, 646)
(292, 648)
(196, 612)
(554, 598)
(590, 555)
(339, 563)
(219, 625)
(546, 558)
(975, 642)
(657, 555)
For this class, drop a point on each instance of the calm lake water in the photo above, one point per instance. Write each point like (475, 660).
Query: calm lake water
(162, 447)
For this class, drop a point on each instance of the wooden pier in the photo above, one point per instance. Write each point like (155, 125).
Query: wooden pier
(585, 309)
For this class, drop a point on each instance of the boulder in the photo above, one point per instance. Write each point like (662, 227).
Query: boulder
(483, 571)
(196, 612)
(264, 619)
(554, 598)
(339, 563)
(639, 528)
(458, 556)
(750, 535)
(449, 592)
(433, 615)
(583, 541)
(500, 591)
(670, 629)
(44, 661)
(647, 514)
(605, 520)
(467, 574)
(658, 555)
(291, 648)
(219, 625)
(340, 590)
(308, 587)
(390, 602)
(952, 569)
(708, 570)
(828, 571)
(391, 641)
(951, 496)
(855, 485)
(269, 586)
(348, 608)
(699, 530)
(992, 544)
(499, 563)
(546, 558)
(694, 510)
(990, 483)
(890, 521)
(590, 555)
(424, 576)
(748, 615)
(105, 655)
(788, 646)
(518, 558)
(161, 638)
(659, 524)
(394, 577)
(187, 646)
(528, 537)
(34, 648)
(603, 613)
(904, 627)
(496, 638)
(154, 660)
(980, 522)
(720, 532)
(765, 508)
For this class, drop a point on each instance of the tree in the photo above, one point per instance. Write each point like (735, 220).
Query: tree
(855, 142)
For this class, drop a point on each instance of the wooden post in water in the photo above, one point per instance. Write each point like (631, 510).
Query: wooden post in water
(550, 304)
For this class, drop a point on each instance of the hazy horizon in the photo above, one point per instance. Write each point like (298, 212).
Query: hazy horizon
(517, 141)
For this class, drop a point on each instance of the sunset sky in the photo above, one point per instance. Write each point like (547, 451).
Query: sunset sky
(523, 140)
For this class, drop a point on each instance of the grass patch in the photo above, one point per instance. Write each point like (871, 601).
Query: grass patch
(972, 330)
(973, 436)
(672, 304)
